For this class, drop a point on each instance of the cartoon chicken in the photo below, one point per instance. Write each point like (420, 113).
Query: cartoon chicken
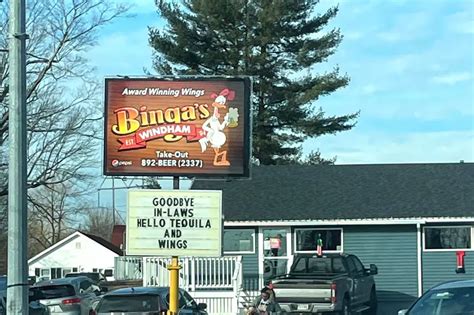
(213, 127)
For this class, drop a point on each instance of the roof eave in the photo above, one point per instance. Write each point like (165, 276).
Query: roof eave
(371, 221)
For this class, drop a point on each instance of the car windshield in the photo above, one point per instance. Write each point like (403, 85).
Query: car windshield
(455, 301)
(91, 275)
(129, 303)
(55, 291)
(319, 265)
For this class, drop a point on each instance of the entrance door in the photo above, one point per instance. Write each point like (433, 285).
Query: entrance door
(275, 250)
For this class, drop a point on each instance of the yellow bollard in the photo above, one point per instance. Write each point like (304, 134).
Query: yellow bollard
(174, 285)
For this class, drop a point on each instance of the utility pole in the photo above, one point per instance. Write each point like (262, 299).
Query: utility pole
(17, 290)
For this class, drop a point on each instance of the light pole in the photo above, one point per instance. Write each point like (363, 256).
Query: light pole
(17, 290)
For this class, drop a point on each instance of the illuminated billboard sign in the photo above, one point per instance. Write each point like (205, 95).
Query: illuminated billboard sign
(174, 223)
(174, 126)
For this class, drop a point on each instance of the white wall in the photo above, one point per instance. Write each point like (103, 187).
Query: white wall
(80, 252)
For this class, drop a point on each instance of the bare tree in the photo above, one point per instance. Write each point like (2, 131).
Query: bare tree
(100, 222)
(63, 110)
(54, 212)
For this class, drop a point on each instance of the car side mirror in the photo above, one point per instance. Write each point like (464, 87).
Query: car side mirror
(202, 306)
(104, 289)
(373, 270)
(402, 312)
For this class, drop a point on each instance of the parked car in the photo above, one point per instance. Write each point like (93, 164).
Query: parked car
(72, 296)
(35, 308)
(328, 283)
(453, 298)
(32, 280)
(149, 300)
(97, 277)
(43, 278)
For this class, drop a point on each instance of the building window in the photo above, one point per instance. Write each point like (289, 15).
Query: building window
(447, 237)
(56, 273)
(45, 272)
(274, 242)
(66, 271)
(239, 241)
(306, 239)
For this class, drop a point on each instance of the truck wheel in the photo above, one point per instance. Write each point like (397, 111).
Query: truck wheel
(346, 307)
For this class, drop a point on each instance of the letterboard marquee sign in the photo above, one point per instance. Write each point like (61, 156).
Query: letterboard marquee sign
(177, 126)
(174, 223)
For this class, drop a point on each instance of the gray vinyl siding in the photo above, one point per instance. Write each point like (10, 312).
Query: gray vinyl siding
(440, 266)
(250, 266)
(393, 250)
(250, 271)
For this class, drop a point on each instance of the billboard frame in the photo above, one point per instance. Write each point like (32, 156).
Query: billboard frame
(246, 152)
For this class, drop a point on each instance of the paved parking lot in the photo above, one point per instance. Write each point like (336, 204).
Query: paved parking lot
(391, 308)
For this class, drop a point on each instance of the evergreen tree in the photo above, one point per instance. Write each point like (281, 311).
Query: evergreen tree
(277, 42)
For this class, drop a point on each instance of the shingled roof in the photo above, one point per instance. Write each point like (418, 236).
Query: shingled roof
(328, 192)
(104, 243)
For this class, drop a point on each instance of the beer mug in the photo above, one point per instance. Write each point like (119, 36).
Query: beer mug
(233, 117)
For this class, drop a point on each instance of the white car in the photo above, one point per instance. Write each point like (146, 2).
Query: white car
(68, 296)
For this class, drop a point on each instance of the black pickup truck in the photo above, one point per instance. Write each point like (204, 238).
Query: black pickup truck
(328, 283)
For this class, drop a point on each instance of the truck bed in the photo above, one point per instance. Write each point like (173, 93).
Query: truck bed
(309, 288)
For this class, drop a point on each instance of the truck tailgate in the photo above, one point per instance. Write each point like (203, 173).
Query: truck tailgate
(302, 291)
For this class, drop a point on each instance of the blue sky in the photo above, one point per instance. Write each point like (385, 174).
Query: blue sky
(411, 67)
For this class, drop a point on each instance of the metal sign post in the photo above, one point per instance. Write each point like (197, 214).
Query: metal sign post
(174, 285)
(174, 271)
